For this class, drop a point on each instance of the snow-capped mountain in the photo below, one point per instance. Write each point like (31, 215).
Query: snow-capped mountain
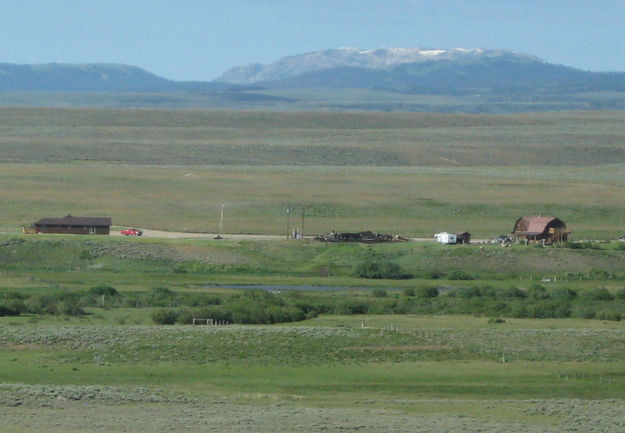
(381, 58)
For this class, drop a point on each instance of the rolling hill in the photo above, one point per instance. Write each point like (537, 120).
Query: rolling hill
(94, 77)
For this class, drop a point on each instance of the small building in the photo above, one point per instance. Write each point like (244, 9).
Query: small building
(446, 238)
(463, 238)
(74, 225)
(545, 229)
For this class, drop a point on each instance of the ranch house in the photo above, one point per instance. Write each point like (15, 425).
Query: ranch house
(74, 225)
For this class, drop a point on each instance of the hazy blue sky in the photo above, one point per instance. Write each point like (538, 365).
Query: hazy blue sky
(198, 40)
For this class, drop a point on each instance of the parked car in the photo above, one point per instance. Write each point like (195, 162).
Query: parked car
(503, 239)
(131, 232)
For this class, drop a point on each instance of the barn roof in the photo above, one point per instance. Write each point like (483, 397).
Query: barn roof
(538, 224)
(70, 220)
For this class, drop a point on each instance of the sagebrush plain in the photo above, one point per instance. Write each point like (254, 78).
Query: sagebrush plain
(404, 173)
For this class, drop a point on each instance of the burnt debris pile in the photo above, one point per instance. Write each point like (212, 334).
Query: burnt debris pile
(366, 236)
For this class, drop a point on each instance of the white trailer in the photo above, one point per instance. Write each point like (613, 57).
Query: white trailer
(446, 238)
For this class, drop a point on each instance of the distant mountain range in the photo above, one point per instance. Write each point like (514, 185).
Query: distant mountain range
(414, 70)
(469, 80)
(380, 59)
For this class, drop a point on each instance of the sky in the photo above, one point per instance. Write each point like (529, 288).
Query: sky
(199, 40)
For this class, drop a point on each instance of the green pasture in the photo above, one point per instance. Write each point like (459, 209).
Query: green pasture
(80, 262)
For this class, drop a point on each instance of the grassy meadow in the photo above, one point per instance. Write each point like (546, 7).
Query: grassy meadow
(413, 201)
(473, 338)
(413, 174)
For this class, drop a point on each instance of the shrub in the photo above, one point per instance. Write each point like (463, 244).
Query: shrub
(620, 294)
(518, 311)
(44, 304)
(352, 307)
(200, 299)
(537, 291)
(380, 293)
(600, 294)
(562, 310)
(15, 295)
(164, 316)
(587, 313)
(185, 316)
(15, 305)
(87, 255)
(432, 274)
(428, 292)
(549, 309)
(564, 293)
(497, 308)
(610, 315)
(458, 274)
(375, 267)
(7, 311)
(489, 291)
(108, 291)
(580, 245)
(158, 297)
(160, 292)
(513, 292)
(70, 307)
(258, 306)
(383, 306)
(471, 292)
(409, 292)
(219, 313)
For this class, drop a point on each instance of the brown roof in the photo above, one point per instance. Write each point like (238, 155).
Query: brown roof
(69, 220)
(538, 224)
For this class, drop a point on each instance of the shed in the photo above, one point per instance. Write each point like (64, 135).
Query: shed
(74, 225)
(546, 229)
(463, 238)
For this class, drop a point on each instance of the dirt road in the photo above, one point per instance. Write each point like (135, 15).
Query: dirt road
(161, 234)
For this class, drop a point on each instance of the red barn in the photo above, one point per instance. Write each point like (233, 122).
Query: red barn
(540, 229)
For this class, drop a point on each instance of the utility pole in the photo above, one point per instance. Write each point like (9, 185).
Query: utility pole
(221, 220)
(303, 215)
(288, 215)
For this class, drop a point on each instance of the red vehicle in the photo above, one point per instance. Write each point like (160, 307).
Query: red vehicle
(131, 232)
